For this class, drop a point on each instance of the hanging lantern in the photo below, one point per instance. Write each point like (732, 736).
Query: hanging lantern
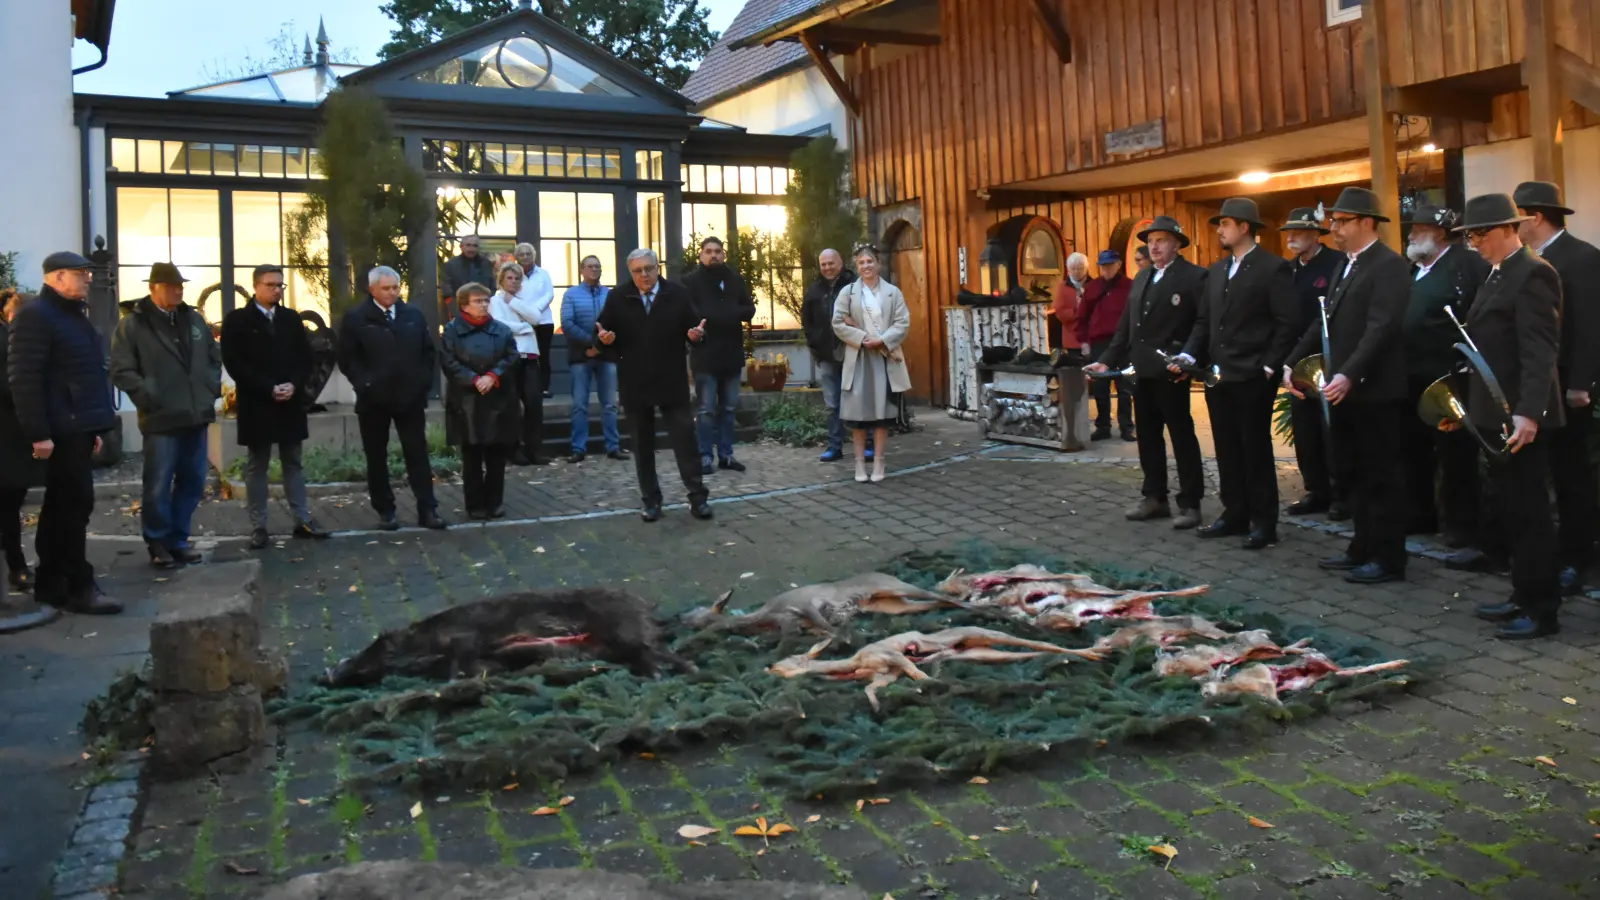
(994, 273)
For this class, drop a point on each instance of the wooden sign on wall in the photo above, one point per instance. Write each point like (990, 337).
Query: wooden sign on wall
(1136, 139)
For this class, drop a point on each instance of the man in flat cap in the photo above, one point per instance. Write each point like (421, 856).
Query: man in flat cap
(1516, 325)
(1245, 329)
(1578, 263)
(1366, 387)
(164, 357)
(1099, 312)
(1316, 265)
(1159, 317)
(1445, 279)
(57, 371)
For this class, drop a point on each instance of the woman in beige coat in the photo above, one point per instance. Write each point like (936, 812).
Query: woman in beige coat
(871, 317)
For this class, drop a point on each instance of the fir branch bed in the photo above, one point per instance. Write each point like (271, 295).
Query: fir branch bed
(564, 718)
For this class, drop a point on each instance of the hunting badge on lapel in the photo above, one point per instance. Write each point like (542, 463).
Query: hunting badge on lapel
(1176, 299)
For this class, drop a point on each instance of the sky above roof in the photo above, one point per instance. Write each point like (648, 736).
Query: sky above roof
(170, 45)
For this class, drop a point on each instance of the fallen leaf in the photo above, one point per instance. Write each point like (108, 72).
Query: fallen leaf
(1569, 701)
(697, 843)
(538, 549)
(647, 756)
(567, 801)
(693, 832)
(762, 852)
(879, 801)
(511, 787)
(1003, 827)
(754, 807)
(546, 811)
(977, 779)
(762, 830)
(478, 565)
(236, 869)
(972, 837)
(1546, 760)
(416, 809)
(812, 819)
(1259, 823)
(748, 575)
(352, 589)
(303, 801)
(859, 803)
(1166, 850)
(1033, 890)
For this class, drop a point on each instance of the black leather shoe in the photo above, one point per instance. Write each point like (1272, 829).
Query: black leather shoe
(520, 459)
(1100, 434)
(650, 513)
(1472, 559)
(1339, 512)
(499, 512)
(387, 522)
(91, 601)
(1571, 582)
(259, 539)
(477, 515)
(619, 454)
(1371, 573)
(188, 556)
(701, 510)
(1222, 528)
(1310, 504)
(576, 458)
(1260, 539)
(708, 468)
(1341, 563)
(162, 558)
(20, 577)
(731, 464)
(1523, 627)
(311, 531)
(1499, 612)
(1128, 434)
(431, 519)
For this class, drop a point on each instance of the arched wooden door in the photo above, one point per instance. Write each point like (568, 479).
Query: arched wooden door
(908, 274)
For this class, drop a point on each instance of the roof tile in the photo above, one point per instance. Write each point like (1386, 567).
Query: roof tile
(724, 70)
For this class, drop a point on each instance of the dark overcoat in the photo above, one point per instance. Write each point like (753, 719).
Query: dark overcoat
(651, 348)
(18, 468)
(724, 301)
(1365, 311)
(471, 418)
(1159, 316)
(1577, 262)
(1429, 334)
(1246, 323)
(1516, 323)
(390, 365)
(58, 370)
(260, 354)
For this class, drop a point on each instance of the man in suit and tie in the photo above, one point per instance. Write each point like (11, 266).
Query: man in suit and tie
(1159, 316)
(1244, 328)
(1316, 265)
(1577, 262)
(1366, 385)
(1516, 324)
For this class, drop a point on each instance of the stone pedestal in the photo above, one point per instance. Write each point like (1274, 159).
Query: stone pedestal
(208, 671)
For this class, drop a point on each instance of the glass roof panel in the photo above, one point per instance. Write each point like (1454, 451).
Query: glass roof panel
(524, 63)
(305, 84)
(258, 88)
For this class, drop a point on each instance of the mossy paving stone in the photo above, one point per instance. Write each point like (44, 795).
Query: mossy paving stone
(1139, 820)
(971, 818)
(714, 862)
(660, 802)
(479, 850)
(1155, 882)
(1339, 889)
(881, 874)
(1093, 795)
(1211, 860)
(232, 841)
(155, 874)
(935, 843)
(971, 878)
(1126, 770)
(1289, 863)
(1536, 889)
(1410, 798)
(1061, 822)
(1310, 828)
(1253, 798)
(1013, 789)
(1279, 768)
(1474, 826)
(399, 844)
(1106, 855)
(785, 863)
(1562, 863)
(598, 833)
(1066, 883)
(1175, 797)
(1432, 889)
(633, 860)
(1021, 853)
(315, 839)
(548, 855)
(645, 775)
(1465, 864)
(1330, 798)
(1488, 797)
(521, 825)
(311, 786)
(452, 821)
(736, 806)
(1251, 886)
(845, 841)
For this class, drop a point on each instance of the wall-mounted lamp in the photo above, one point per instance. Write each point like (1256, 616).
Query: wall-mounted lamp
(1254, 177)
(1429, 148)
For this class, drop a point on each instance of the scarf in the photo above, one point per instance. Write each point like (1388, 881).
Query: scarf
(872, 319)
(475, 321)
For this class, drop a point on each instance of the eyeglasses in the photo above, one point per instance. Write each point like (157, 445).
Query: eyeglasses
(645, 269)
(1335, 221)
(1478, 234)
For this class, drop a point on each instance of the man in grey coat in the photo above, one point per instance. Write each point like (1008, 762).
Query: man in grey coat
(165, 358)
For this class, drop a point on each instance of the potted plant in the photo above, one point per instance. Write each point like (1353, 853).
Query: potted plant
(767, 376)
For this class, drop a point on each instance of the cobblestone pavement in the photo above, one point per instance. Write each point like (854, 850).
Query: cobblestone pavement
(1437, 793)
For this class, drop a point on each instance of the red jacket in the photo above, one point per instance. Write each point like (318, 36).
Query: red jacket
(1065, 312)
(1100, 310)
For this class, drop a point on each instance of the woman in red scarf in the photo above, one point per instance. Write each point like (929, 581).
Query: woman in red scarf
(482, 413)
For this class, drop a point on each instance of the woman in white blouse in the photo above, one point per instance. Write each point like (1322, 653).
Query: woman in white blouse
(502, 307)
(871, 317)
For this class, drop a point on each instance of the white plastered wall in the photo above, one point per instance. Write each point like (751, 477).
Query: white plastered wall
(796, 103)
(39, 157)
(1499, 168)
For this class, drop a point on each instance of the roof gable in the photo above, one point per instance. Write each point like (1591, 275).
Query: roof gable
(726, 71)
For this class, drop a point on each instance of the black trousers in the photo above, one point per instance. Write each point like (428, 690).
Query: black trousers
(412, 428)
(530, 388)
(1163, 404)
(1574, 478)
(1311, 449)
(11, 500)
(685, 448)
(1241, 426)
(61, 539)
(1366, 457)
(1446, 460)
(1522, 511)
(1100, 390)
(545, 334)
(483, 476)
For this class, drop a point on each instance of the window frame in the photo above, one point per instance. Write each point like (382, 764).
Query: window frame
(1338, 15)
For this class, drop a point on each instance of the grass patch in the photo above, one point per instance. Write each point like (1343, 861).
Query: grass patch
(324, 465)
(795, 422)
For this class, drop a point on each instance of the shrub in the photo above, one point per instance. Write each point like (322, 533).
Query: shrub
(324, 465)
(793, 421)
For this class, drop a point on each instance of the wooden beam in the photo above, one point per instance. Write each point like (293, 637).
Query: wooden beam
(1438, 101)
(830, 74)
(1380, 122)
(1581, 80)
(1345, 173)
(1055, 30)
(1545, 95)
(844, 34)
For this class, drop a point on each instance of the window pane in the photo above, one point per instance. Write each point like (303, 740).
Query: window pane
(653, 222)
(770, 218)
(575, 156)
(432, 155)
(249, 160)
(454, 151)
(150, 156)
(200, 278)
(141, 228)
(199, 159)
(597, 217)
(513, 160)
(272, 162)
(124, 154)
(196, 228)
(500, 218)
(558, 214)
(730, 179)
(555, 162)
(747, 180)
(257, 230)
(780, 180)
(683, 175)
(696, 179)
(764, 180)
(494, 159)
(222, 158)
(293, 203)
(713, 179)
(314, 163)
(658, 165)
(295, 161)
(300, 295)
(641, 163)
(560, 256)
(536, 161)
(173, 157)
(703, 220)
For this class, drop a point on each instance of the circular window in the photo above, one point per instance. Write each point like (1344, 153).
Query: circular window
(523, 62)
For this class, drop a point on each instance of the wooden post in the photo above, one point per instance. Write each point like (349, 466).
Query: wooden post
(1546, 98)
(1380, 122)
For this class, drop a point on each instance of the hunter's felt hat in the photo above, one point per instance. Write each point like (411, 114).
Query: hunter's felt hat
(1242, 209)
(165, 273)
(1489, 211)
(1303, 219)
(1428, 214)
(1167, 224)
(1540, 195)
(1359, 202)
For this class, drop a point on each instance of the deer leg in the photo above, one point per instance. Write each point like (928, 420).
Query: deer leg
(882, 679)
(987, 655)
(1376, 667)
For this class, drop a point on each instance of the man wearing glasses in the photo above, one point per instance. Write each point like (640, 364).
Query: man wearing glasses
(591, 365)
(1366, 387)
(645, 322)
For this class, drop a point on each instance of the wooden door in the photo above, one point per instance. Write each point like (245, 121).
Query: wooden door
(907, 273)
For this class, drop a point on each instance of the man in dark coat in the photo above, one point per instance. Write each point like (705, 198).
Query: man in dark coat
(724, 301)
(646, 322)
(389, 355)
(1315, 267)
(1099, 313)
(827, 351)
(1445, 276)
(266, 351)
(19, 470)
(57, 370)
(164, 357)
(1516, 325)
(1159, 316)
(469, 267)
(1244, 329)
(1366, 383)
(1577, 262)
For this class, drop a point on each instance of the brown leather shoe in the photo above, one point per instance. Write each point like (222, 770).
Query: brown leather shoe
(91, 601)
(1150, 508)
(1187, 518)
